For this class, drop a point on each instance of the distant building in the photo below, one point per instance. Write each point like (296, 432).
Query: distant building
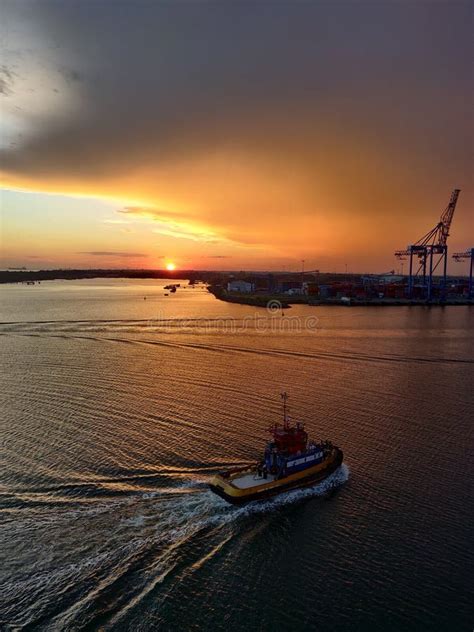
(390, 278)
(310, 288)
(284, 286)
(240, 286)
(381, 279)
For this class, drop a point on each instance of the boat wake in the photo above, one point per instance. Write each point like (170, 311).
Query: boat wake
(176, 337)
(156, 541)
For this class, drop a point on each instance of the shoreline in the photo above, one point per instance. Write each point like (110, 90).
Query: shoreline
(273, 302)
(266, 301)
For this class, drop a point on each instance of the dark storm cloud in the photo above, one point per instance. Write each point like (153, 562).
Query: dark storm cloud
(71, 75)
(156, 79)
(7, 79)
(356, 112)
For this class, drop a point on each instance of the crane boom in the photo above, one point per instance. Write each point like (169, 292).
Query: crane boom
(459, 256)
(447, 218)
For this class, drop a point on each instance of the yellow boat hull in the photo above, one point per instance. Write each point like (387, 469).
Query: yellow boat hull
(222, 484)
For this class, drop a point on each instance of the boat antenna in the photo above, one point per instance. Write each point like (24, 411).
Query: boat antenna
(284, 397)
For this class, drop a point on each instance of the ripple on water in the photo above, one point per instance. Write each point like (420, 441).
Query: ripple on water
(113, 429)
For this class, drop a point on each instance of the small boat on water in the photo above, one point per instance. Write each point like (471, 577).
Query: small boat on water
(290, 461)
(172, 287)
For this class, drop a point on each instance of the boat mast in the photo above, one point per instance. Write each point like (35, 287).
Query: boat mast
(284, 397)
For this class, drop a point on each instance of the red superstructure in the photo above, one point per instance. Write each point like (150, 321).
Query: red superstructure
(289, 439)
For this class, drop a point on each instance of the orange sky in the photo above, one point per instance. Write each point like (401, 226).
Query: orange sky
(240, 138)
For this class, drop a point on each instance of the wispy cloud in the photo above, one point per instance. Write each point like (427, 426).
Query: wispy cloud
(182, 232)
(111, 253)
(7, 79)
(164, 223)
(116, 221)
(152, 212)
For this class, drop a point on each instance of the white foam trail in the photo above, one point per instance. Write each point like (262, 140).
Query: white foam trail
(207, 509)
(338, 478)
(161, 522)
(186, 519)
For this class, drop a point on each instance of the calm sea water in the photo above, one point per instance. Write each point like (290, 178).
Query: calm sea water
(116, 411)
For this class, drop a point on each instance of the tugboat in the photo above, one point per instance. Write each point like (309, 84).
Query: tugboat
(290, 461)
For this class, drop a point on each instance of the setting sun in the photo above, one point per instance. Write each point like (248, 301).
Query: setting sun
(170, 267)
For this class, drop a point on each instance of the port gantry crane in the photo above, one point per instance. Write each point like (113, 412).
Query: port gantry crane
(467, 254)
(431, 246)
